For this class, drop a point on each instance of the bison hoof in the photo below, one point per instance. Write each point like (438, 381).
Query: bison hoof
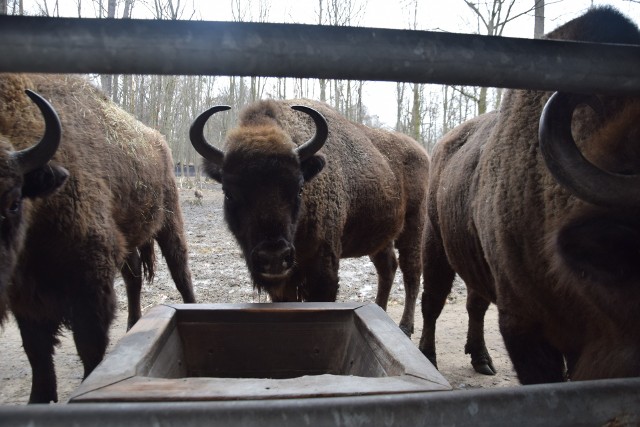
(484, 367)
(433, 360)
(43, 397)
(408, 330)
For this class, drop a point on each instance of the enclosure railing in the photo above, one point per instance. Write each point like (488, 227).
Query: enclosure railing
(126, 46)
(588, 403)
(67, 45)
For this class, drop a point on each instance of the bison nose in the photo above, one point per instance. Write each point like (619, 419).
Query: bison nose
(273, 258)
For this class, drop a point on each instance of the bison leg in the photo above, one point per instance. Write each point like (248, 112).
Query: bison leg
(438, 279)
(38, 340)
(410, 257)
(386, 265)
(132, 275)
(321, 281)
(480, 359)
(174, 249)
(91, 317)
(534, 359)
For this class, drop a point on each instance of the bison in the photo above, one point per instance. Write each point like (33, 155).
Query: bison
(517, 210)
(116, 196)
(305, 187)
(25, 175)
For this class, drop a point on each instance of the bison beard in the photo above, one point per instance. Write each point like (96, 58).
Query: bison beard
(120, 197)
(297, 207)
(529, 224)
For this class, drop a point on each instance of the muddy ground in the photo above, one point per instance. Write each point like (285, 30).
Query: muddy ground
(220, 276)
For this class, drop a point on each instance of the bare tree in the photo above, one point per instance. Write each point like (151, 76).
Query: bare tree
(44, 10)
(538, 26)
(322, 82)
(339, 13)
(400, 89)
(106, 80)
(417, 112)
(16, 7)
(257, 83)
(493, 16)
(128, 8)
(167, 9)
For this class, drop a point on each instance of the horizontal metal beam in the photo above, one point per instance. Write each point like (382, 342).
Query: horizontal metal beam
(589, 403)
(117, 46)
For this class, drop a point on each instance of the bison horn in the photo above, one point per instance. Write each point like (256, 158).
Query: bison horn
(312, 146)
(570, 168)
(39, 154)
(200, 144)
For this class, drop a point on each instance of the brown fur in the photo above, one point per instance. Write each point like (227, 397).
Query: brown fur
(562, 272)
(120, 196)
(368, 199)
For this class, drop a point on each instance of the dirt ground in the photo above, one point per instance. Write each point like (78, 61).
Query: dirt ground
(220, 276)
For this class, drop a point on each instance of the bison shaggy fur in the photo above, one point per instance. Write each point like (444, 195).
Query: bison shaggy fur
(120, 196)
(562, 270)
(363, 193)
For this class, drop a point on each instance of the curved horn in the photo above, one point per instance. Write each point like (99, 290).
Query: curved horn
(196, 135)
(39, 154)
(312, 146)
(570, 168)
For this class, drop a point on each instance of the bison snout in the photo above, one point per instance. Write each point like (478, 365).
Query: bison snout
(273, 259)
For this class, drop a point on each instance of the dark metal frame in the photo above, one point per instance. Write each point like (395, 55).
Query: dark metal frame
(29, 44)
(115, 46)
(588, 403)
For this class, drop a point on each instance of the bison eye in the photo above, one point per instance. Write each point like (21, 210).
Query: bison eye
(11, 204)
(15, 206)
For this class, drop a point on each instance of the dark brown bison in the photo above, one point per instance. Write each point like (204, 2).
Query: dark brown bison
(553, 240)
(26, 174)
(119, 196)
(305, 187)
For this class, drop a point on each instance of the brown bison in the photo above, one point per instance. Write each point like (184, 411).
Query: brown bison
(296, 204)
(550, 237)
(119, 196)
(25, 175)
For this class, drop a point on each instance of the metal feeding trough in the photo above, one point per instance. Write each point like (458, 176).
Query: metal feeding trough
(200, 352)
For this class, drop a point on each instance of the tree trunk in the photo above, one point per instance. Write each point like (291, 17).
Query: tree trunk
(416, 124)
(128, 7)
(399, 103)
(538, 27)
(323, 90)
(253, 89)
(111, 8)
(360, 112)
(482, 101)
(106, 80)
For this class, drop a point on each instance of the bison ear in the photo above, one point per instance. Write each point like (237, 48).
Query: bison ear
(312, 166)
(44, 180)
(603, 250)
(213, 170)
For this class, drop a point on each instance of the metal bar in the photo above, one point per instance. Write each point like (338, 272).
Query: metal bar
(589, 403)
(68, 45)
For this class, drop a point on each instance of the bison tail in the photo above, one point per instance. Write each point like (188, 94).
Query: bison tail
(148, 260)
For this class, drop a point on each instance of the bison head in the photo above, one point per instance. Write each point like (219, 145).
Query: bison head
(600, 241)
(597, 244)
(262, 175)
(25, 174)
